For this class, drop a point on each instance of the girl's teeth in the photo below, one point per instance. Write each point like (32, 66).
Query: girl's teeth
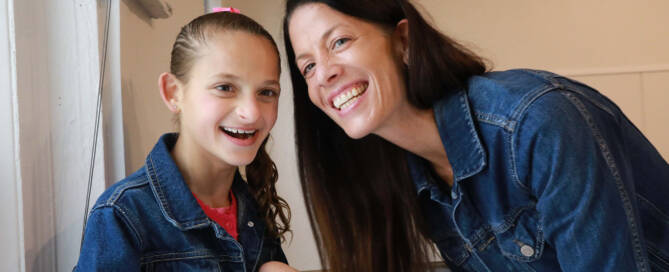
(239, 131)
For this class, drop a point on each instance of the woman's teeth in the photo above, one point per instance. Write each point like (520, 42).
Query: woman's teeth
(347, 99)
(239, 133)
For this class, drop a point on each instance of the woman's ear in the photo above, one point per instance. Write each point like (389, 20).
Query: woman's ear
(170, 91)
(401, 35)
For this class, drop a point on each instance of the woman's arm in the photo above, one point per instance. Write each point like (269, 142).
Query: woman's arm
(570, 155)
(274, 266)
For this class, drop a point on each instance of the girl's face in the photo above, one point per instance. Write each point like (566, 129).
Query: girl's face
(354, 70)
(230, 101)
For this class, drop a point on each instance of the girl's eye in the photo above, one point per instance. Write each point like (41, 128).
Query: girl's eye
(340, 42)
(268, 93)
(307, 69)
(224, 88)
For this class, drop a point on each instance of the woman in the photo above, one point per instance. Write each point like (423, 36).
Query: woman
(504, 171)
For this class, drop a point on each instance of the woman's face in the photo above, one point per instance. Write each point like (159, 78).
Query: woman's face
(354, 70)
(230, 101)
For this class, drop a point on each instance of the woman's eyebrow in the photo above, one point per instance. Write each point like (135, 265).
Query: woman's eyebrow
(325, 35)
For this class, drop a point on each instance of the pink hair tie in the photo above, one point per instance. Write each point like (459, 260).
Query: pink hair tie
(225, 9)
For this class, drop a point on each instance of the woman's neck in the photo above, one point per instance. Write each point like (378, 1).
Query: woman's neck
(206, 176)
(416, 130)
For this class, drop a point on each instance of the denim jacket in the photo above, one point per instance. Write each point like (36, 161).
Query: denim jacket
(150, 221)
(549, 175)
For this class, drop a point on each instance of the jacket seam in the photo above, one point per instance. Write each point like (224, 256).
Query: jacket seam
(655, 208)
(519, 115)
(118, 193)
(613, 168)
(125, 217)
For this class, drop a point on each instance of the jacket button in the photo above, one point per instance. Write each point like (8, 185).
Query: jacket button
(250, 224)
(454, 195)
(526, 250)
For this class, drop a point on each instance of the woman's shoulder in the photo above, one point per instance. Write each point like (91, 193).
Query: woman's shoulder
(505, 92)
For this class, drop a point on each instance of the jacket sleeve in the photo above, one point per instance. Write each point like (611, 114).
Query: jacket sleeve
(571, 157)
(110, 242)
(276, 252)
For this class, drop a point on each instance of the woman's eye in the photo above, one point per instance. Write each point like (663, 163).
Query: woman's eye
(307, 69)
(340, 42)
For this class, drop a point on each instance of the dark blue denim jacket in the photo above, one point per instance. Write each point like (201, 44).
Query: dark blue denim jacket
(549, 175)
(150, 221)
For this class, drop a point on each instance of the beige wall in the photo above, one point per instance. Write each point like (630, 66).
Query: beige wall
(616, 46)
(145, 53)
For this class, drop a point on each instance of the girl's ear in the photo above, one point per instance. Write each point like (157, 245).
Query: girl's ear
(401, 35)
(170, 91)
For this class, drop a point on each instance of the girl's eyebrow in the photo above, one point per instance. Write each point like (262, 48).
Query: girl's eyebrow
(237, 78)
(271, 82)
(225, 75)
(325, 36)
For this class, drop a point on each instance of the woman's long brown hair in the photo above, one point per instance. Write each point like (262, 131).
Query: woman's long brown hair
(360, 197)
(261, 174)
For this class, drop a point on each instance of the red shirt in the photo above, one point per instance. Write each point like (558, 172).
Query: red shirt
(226, 217)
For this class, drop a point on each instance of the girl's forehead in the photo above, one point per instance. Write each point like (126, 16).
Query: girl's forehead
(247, 55)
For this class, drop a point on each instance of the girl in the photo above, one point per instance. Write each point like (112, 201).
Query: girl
(188, 208)
(505, 171)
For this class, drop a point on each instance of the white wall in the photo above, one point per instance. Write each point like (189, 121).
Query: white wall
(11, 244)
(53, 91)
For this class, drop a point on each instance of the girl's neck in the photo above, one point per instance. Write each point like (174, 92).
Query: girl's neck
(415, 130)
(209, 178)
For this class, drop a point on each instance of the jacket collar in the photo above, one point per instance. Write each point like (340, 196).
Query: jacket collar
(460, 140)
(176, 200)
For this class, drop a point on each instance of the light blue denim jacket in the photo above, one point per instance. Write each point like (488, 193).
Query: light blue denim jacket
(549, 176)
(150, 221)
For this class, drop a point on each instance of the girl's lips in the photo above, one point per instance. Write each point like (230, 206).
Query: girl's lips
(240, 141)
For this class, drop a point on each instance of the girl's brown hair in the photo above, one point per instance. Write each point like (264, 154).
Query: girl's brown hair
(360, 197)
(261, 173)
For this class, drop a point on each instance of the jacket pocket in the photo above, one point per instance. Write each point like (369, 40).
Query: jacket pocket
(520, 238)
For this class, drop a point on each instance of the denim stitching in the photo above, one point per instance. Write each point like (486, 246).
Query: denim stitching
(121, 189)
(464, 105)
(517, 117)
(262, 242)
(655, 208)
(125, 217)
(155, 259)
(622, 193)
(158, 194)
(652, 251)
(493, 119)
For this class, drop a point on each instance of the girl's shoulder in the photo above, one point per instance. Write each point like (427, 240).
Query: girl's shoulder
(131, 190)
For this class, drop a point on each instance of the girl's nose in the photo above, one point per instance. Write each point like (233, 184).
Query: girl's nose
(248, 109)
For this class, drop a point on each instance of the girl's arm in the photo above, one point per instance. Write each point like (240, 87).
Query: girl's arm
(570, 156)
(110, 243)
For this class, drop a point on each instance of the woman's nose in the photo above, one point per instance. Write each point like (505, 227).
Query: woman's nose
(328, 74)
